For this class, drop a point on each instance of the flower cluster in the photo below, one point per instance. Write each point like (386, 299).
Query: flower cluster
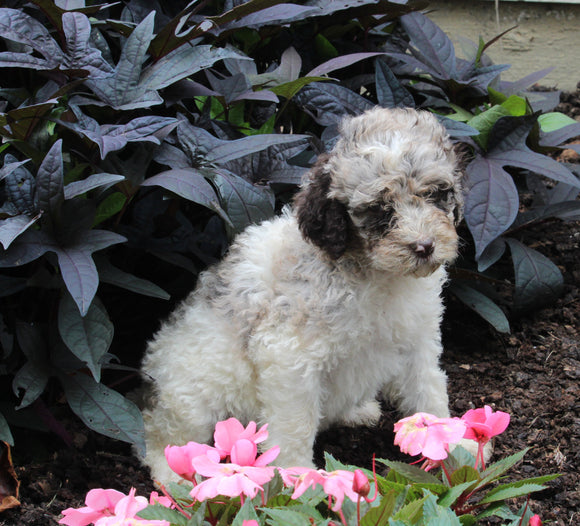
(430, 436)
(231, 474)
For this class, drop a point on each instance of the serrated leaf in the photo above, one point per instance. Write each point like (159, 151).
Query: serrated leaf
(87, 337)
(379, 515)
(412, 473)
(497, 469)
(289, 517)
(483, 305)
(158, 512)
(104, 410)
(538, 280)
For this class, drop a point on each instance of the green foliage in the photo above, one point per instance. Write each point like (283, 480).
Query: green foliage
(458, 495)
(134, 138)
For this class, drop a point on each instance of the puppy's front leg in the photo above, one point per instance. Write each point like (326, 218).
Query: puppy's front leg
(421, 385)
(291, 407)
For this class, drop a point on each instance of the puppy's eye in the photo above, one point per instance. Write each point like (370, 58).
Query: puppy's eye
(440, 197)
(377, 217)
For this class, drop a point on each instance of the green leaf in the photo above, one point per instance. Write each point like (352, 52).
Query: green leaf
(412, 473)
(485, 121)
(553, 121)
(88, 337)
(290, 517)
(161, 513)
(289, 89)
(104, 410)
(510, 491)
(108, 207)
(497, 469)
(464, 474)
(380, 515)
(453, 493)
(516, 106)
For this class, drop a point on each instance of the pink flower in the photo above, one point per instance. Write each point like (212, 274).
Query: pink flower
(231, 430)
(126, 510)
(429, 435)
(229, 479)
(155, 498)
(251, 522)
(99, 503)
(483, 423)
(337, 484)
(179, 458)
(535, 521)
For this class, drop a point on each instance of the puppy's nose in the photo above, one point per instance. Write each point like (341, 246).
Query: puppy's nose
(424, 248)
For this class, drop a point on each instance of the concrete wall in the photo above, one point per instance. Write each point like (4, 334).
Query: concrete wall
(548, 34)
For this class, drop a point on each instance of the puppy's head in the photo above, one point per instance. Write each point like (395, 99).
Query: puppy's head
(388, 192)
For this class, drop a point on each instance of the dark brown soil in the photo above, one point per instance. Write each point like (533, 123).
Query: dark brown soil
(532, 373)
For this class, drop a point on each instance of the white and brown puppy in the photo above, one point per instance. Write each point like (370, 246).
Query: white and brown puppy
(315, 313)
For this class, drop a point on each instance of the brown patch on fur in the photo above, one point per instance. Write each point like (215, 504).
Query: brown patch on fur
(322, 220)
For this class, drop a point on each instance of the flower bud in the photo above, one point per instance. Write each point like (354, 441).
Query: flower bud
(360, 483)
(535, 521)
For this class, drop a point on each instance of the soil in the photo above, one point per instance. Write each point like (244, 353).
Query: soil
(532, 373)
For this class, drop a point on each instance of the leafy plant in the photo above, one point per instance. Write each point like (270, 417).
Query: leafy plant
(137, 143)
(228, 483)
(135, 140)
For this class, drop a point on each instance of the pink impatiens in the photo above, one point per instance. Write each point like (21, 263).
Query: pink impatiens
(484, 423)
(426, 434)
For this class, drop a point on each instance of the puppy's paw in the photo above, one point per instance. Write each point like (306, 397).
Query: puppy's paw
(366, 414)
(471, 447)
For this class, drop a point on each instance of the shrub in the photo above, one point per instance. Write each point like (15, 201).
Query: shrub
(137, 140)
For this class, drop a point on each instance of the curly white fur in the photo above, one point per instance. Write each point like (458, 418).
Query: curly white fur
(305, 323)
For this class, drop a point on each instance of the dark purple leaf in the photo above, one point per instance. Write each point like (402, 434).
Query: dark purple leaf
(19, 188)
(481, 304)
(328, 103)
(190, 184)
(102, 180)
(244, 202)
(12, 227)
(538, 280)
(49, 181)
(390, 92)
(491, 203)
(87, 337)
(17, 26)
(340, 62)
(431, 45)
(78, 268)
(557, 138)
(104, 410)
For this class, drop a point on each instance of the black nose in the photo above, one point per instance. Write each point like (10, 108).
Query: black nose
(423, 249)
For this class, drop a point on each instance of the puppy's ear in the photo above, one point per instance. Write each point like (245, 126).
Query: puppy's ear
(322, 220)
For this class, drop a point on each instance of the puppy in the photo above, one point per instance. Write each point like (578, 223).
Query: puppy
(315, 313)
